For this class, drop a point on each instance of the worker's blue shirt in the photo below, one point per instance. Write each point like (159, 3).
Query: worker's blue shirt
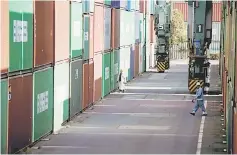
(199, 94)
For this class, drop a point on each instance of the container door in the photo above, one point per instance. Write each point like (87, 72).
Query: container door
(98, 77)
(86, 37)
(43, 103)
(91, 82)
(107, 28)
(132, 57)
(76, 30)
(4, 115)
(61, 94)
(21, 24)
(116, 67)
(140, 58)
(144, 58)
(106, 74)
(76, 87)
(112, 71)
(85, 91)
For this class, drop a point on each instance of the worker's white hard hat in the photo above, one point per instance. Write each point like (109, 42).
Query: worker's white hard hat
(198, 83)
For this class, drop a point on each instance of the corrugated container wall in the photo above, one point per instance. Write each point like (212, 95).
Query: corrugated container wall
(88, 6)
(142, 32)
(4, 114)
(99, 1)
(4, 39)
(137, 27)
(107, 2)
(152, 31)
(76, 30)
(19, 136)
(98, 28)
(97, 77)
(91, 33)
(86, 28)
(115, 4)
(130, 5)
(91, 82)
(152, 7)
(21, 35)
(44, 33)
(137, 5)
(115, 29)
(148, 7)
(62, 30)
(215, 44)
(85, 98)
(132, 28)
(148, 27)
(143, 6)
(123, 24)
(183, 7)
(107, 28)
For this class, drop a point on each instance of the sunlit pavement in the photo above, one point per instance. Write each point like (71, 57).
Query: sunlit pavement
(151, 117)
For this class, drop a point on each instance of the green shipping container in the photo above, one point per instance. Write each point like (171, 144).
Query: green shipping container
(106, 74)
(61, 94)
(42, 103)
(107, 2)
(144, 58)
(4, 115)
(76, 30)
(21, 35)
(86, 27)
(115, 55)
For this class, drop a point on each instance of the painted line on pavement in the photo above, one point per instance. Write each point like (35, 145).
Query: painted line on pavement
(200, 135)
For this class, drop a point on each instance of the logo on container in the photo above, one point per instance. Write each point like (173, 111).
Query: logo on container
(42, 102)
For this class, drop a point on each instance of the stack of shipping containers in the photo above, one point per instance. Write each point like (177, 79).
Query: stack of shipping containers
(216, 22)
(59, 57)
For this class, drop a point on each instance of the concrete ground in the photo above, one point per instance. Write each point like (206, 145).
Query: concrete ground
(151, 117)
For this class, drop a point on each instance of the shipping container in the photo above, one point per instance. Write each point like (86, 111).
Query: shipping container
(21, 35)
(152, 7)
(125, 61)
(86, 39)
(107, 2)
(4, 115)
(85, 98)
(88, 6)
(142, 58)
(107, 28)
(61, 95)
(148, 31)
(137, 5)
(20, 112)
(42, 103)
(91, 34)
(119, 4)
(123, 28)
(131, 29)
(115, 28)
(183, 8)
(76, 30)
(130, 6)
(137, 27)
(115, 69)
(137, 59)
(98, 28)
(43, 33)
(142, 27)
(148, 54)
(62, 30)
(152, 55)
(97, 77)
(99, 1)
(152, 31)
(91, 82)
(216, 11)
(76, 86)
(132, 62)
(143, 6)
(106, 68)
(4, 39)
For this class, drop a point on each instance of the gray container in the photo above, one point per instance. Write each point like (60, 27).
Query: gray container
(76, 87)
(107, 28)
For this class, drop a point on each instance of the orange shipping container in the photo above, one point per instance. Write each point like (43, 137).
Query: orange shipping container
(4, 39)
(91, 82)
(98, 28)
(97, 77)
(43, 32)
(115, 28)
(62, 30)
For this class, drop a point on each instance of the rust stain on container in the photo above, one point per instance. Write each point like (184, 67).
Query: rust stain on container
(85, 99)
(115, 28)
(91, 33)
(136, 70)
(91, 82)
(4, 7)
(62, 30)
(99, 28)
(43, 32)
(97, 77)
(20, 112)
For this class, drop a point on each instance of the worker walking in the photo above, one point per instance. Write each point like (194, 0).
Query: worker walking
(199, 101)
(121, 81)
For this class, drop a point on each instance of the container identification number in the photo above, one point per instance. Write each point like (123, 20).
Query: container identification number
(20, 31)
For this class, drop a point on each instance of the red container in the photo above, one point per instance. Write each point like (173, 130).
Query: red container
(97, 77)
(62, 30)
(91, 34)
(91, 82)
(115, 28)
(43, 33)
(183, 8)
(136, 55)
(216, 12)
(98, 28)
(20, 112)
(143, 6)
(152, 34)
(4, 39)
(85, 99)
